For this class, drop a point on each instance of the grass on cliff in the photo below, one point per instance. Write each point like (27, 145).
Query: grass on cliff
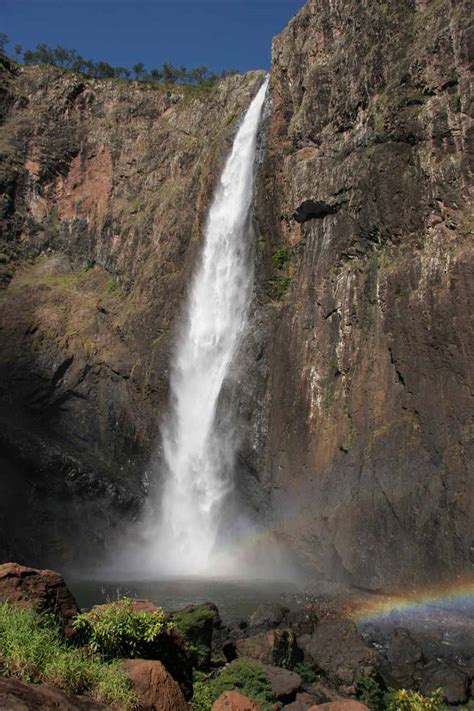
(32, 650)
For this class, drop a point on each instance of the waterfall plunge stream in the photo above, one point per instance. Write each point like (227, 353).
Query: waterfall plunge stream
(198, 455)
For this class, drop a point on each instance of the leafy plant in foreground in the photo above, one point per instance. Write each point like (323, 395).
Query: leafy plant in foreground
(116, 630)
(246, 677)
(33, 650)
(406, 700)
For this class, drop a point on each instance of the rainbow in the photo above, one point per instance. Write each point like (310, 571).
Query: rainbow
(457, 598)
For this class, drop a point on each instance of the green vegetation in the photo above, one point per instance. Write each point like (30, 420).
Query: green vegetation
(117, 630)
(404, 700)
(229, 119)
(280, 258)
(246, 677)
(32, 649)
(370, 693)
(280, 283)
(279, 287)
(307, 672)
(70, 59)
(196, 627)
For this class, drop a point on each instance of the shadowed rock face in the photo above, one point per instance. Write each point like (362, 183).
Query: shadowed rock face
(354, 385)
(365, 361)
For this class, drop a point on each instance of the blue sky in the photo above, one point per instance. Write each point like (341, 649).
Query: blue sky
(220, 34)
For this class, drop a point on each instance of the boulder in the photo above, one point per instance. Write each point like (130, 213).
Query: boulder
(268, 616)
(453, 681)
(348, 705)
(338, 650)
(301, 621)
(302, 702)
(312, 695)
(233, 701)
(44, 590)
(284, 683)
(155, 688)
(277, 647)
(16, 696)
(403, 656)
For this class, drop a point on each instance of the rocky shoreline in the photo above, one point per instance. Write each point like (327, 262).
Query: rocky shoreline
(306, 654)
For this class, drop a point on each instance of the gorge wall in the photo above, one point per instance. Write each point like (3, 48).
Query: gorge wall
(106, 186)
(354, 384)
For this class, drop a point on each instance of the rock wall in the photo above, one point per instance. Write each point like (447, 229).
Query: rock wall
(106, 185)
(366, 293)
(354, 384)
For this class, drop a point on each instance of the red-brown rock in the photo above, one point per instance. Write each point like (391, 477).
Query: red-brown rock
(233, 701)
(44, 590)
(155, 687)
(16, 696)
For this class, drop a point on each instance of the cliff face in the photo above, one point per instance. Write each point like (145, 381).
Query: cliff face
(106, 187)
(354, 384)
(367, 374)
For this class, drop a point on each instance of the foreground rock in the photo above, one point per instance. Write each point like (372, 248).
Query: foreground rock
(44, 590)
(451, 679)
(271, 615)
(276, 647)
(233, 701)
(284, 683)
(268, 615)
(338, 650)
(155, 688)
(16, 696)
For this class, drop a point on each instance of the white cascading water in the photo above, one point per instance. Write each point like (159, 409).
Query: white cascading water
(197, 455)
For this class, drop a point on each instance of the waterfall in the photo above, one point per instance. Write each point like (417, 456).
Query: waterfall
(198, 455)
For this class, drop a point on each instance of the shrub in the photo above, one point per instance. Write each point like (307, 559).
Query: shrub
(203, 695)
(32, 649)
(196, 627)
(307, 672)
(280, 258)
(279, 287)
(116, 630)
(246, 677)
(405, 700)
(370, 693)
